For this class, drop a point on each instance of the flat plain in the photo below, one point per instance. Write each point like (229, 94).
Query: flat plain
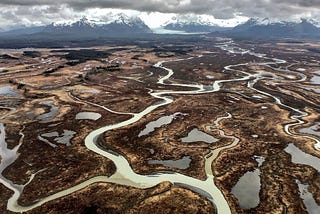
(182, 127)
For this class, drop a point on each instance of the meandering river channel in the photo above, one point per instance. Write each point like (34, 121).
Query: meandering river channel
(124, 174)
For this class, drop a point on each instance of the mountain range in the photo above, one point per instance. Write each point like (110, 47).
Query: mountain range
(115, 25)
(120, 24)
(267, 28)
(193, 24)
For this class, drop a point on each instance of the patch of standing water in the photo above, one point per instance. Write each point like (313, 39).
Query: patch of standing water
(317, 72)
(88, 116)
(182, 163)
(50, 134)
(313, 130)
(64, 138)
(308, 200)
(8, 91)
(8, 157)
(47, 141)
(300, 157)
(165, 120)
(315, 80)
(315, 90)
(248, 187)
(47, 117)
(247, 190)
(195, 135)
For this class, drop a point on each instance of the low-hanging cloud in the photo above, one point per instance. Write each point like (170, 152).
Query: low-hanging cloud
(180, 6)
(221, 9)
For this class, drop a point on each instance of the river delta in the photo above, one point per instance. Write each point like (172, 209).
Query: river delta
(213, 126)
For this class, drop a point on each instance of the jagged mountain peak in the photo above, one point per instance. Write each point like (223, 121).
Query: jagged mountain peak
(274, 28)
(191, 23)
(312, 21)
(121, 18)
(270, 21)
(265, 21)
(119, 23)
(84, 21)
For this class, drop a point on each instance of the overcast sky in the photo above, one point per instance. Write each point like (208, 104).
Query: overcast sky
(154, 12)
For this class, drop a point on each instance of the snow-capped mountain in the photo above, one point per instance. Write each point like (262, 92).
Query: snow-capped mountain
(111, 25)
(314, 22)
(83, 25)
(268, 28)
(114, 24)
(192, 23)
(125, 24)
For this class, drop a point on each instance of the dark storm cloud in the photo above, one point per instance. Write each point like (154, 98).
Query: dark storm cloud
(46, 11)
(219, 8)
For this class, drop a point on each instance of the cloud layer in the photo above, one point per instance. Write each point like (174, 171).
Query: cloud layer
(42, 11)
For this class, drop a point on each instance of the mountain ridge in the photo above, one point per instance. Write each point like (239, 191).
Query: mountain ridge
(194, 23)
(118, 24)
(115, 25)
(122, 24)
(267, 28)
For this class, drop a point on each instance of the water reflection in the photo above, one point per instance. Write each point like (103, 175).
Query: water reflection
(88, 116)
(300, 157)
(8, 91)
(247, 190)
(195, 135)
(65, 138)
(248, 187)
(308, 200)
(165, 120)
(182, 163)
(47, 117)
(313, 130)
